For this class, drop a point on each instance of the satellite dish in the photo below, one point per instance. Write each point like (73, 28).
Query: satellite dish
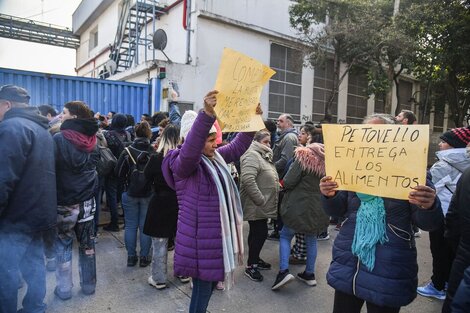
(159, 39)
(110, 66)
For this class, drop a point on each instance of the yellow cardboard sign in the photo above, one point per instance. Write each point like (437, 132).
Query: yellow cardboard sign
(239, 82)
(380, 160)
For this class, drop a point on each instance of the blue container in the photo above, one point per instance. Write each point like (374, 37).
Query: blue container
(100, 95)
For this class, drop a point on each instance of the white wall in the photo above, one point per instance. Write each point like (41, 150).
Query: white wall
(107, 26)
(269, 14)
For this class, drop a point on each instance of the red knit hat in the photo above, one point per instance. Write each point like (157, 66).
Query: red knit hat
(457, 137)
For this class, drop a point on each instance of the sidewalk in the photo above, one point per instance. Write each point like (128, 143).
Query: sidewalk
(123, 289)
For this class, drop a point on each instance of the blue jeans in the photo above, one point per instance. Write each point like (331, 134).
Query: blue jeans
(202, 291)
(135, 211)
(285, 239)
(76, 220)
(22, 252)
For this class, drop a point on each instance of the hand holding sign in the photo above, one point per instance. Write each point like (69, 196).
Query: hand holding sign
(240, 81)
(422, 196)
(328, 186)
(210, 101)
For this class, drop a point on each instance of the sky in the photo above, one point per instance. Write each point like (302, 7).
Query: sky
(35, 57)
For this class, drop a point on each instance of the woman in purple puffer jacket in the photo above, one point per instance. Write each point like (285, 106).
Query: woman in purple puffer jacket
(209, 239)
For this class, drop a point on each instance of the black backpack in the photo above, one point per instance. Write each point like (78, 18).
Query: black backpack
(106, 163)
(137, 184)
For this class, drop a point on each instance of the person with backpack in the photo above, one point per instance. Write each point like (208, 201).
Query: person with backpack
(162, 213)
(117, 139)
(138, 191)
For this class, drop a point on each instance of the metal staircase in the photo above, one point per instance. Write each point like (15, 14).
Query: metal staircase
(132, 32)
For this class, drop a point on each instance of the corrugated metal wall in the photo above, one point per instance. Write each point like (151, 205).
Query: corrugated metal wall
(101, 95)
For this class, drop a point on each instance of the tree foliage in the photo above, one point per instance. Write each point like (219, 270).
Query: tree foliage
(442, 57)
(429, 39)
(358, 33)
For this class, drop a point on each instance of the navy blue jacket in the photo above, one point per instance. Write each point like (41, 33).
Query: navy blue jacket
(27, 172)
(394, 279)
(77, 179)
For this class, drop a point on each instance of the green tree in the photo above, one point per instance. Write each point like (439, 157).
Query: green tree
(358, 33)
(442, 57)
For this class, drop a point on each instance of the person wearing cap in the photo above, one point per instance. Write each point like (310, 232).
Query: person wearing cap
(27, 199)
(452, 162)
(209, 238)
(457, 230)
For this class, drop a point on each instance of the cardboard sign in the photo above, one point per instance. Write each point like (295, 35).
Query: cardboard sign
(380, 160)
(239, 82)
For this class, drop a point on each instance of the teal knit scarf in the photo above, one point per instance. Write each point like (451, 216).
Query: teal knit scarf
(370, 229)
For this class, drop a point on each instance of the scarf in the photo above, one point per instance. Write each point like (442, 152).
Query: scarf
(370, 229)
(266, 152)
(231, 216)
(81, 132)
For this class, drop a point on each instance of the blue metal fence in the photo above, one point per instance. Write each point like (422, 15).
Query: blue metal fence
(101, 95)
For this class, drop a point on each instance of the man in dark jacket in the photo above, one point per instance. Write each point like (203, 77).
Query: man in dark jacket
(458, 232)
(27, 199)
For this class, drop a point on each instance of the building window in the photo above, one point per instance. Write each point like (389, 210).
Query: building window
(379, 103)
(93, 42)
(405, 92)
(322, 88)
(286, 85)
(357, 97)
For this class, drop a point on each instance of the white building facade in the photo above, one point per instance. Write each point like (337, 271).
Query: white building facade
(257, 28)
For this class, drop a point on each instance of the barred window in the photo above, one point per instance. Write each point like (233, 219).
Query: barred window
(322, 88)
(357, 97)
(286, 85)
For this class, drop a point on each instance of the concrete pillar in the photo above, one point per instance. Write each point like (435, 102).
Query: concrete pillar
(306, 95)
(343, 95)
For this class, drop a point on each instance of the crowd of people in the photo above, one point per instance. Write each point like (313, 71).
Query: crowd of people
(182, 185)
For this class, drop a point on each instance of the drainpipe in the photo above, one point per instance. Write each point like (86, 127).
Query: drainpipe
(187, 27)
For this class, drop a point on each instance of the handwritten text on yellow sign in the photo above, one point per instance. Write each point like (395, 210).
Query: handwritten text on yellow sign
(380, 160)
(240, 81)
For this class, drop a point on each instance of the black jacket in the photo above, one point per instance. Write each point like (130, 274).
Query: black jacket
(27, 172)
(162, 212)
(76, 169)
(458, 232)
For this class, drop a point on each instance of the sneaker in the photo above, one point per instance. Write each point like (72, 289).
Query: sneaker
(282, 279)
(309, 279)
(51, 264)
(220, 285)
(253, 273)
(111, 227)
(429, 290)
(63, 295)
(323, 236)
(155, 284)
(145, 261)
(296, 261)
(132, 260)
(274, 235)
(184, 279)
(263, 265)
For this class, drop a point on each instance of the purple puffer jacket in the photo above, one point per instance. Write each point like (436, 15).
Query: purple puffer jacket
(198, 251)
